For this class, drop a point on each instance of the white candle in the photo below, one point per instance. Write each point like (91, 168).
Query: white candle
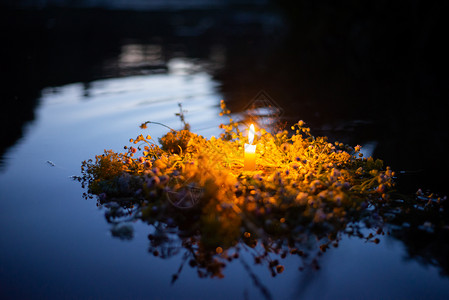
(250, 151)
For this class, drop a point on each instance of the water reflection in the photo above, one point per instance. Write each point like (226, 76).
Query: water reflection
(138, 57)
(424, 230)
(417, 222)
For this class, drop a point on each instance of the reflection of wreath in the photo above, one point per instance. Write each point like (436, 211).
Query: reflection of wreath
(185, 197)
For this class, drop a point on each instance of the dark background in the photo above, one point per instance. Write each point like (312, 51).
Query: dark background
(355, 71)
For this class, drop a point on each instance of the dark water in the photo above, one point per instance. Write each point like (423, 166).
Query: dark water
(81, 80)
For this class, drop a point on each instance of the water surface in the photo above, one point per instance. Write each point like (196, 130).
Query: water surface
(74, 91)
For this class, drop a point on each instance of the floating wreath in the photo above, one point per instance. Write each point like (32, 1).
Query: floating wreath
(303, 196)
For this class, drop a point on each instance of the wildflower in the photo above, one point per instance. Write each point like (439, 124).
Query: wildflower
(279, 269)
(160, 164)
(381, 188)
(335, 172)
(323, 194)
(285, 147)
(338, 199)
(314, 185)
(153, 181)
(258, 177)
(389, 172)
(301, 198)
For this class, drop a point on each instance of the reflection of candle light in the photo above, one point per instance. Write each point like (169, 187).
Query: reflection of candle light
(250, 151)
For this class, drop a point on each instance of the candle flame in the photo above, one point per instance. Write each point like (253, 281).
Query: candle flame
(251, 133)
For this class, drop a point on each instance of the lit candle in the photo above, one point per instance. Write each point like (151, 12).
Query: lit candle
(250, 151)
